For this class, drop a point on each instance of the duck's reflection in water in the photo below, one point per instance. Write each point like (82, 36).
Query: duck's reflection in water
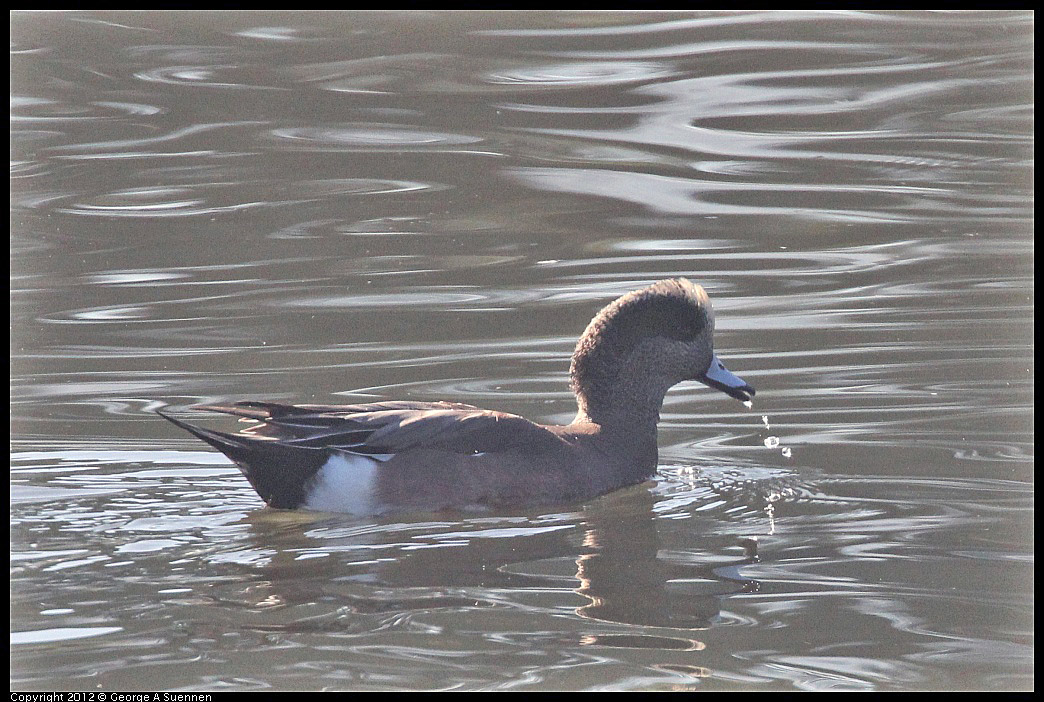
(628, 578)
(608, 553)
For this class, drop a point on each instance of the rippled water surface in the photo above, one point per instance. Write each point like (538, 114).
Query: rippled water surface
(334, 207)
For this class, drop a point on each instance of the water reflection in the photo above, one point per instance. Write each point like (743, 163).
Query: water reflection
(627, 579)
(609, 554)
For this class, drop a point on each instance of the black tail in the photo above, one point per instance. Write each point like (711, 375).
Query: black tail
(278, 472)
(235, 447)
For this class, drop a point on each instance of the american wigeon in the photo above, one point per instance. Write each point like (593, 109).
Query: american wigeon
(424, 456)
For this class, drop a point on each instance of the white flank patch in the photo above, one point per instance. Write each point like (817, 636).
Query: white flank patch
(345, 483)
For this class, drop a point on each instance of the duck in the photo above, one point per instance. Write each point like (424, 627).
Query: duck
(406, 456)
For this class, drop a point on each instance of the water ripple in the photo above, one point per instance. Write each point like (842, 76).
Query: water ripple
(371, 137)
(589, 73)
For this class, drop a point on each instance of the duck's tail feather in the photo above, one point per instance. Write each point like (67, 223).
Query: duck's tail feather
(278, 472)
(235, 447)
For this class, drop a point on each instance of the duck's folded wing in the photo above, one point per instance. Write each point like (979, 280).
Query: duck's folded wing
(384, 428)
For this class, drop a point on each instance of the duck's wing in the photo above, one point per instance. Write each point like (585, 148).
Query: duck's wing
(376, 429)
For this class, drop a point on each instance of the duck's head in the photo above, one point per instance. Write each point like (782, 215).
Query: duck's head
(642, 344)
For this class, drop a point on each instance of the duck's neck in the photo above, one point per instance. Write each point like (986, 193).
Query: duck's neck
(631, 406)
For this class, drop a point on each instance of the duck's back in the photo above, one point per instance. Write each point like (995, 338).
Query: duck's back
(394, 456)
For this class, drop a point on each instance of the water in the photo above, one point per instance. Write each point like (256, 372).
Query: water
(315, 207)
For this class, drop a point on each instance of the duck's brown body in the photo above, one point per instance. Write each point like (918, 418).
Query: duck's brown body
(410, 456)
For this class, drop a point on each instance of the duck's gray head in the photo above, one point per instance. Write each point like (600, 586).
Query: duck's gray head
(643, 343)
